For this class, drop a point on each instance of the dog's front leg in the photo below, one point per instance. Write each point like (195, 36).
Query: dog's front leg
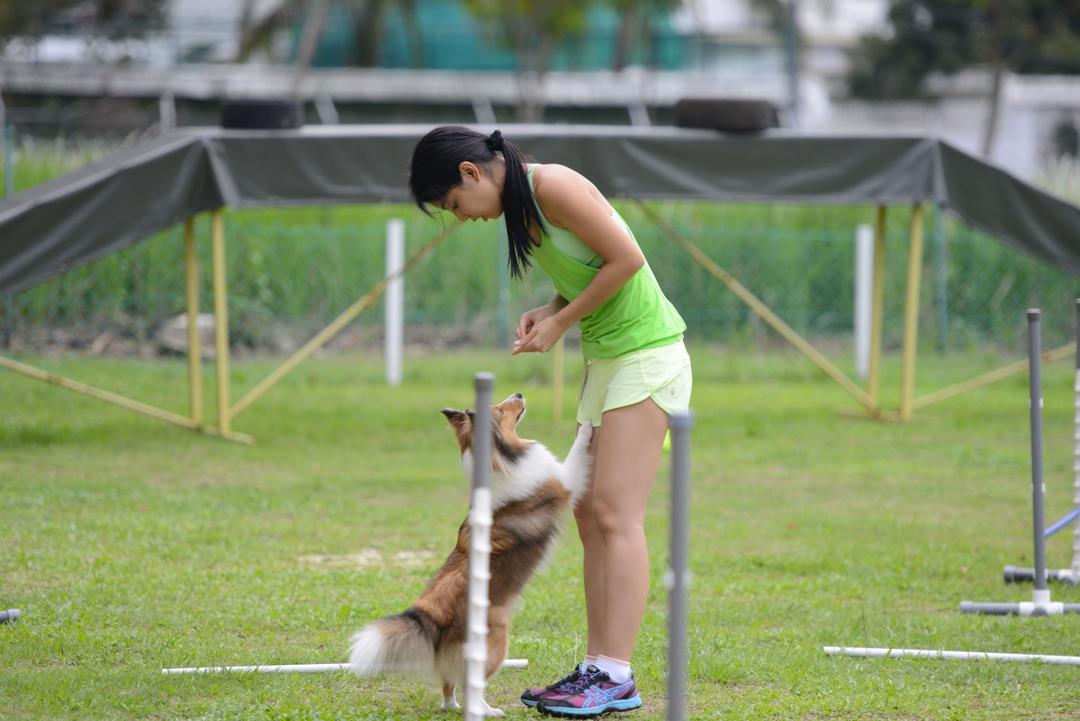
(578, 461)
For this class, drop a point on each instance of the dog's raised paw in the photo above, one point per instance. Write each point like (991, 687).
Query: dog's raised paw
(585, 431)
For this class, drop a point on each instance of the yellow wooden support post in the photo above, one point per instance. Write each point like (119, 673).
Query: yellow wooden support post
(911, 313)
(557, 380)
(877, 314)
(191, 265)
(221, 320)
(362, 304)
(991, 377)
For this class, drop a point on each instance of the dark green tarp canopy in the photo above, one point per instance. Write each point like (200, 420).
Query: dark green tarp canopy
(135, 192)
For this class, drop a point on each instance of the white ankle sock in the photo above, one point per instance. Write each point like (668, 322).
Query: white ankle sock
(619, 671)
(589, 661)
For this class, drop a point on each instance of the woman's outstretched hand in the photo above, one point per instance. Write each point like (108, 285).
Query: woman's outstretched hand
(540, 337)
(532, 317)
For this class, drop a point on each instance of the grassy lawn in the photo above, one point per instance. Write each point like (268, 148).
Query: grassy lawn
(132, 546)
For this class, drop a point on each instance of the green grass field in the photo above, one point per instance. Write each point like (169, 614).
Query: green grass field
(131, 546)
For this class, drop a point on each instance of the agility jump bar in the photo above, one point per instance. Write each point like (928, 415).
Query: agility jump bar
(950, 655)
(299, 668)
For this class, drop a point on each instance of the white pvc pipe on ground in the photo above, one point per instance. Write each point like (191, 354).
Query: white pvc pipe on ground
(300, 668)
(950, 655)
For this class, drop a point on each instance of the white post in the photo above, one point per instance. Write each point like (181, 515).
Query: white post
(480, 519)
(395, 299)
(864, 271)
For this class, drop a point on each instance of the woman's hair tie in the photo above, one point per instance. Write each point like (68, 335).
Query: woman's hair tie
(494, 142)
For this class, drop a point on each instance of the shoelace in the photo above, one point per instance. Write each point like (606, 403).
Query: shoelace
(581, 683)
(568, 678)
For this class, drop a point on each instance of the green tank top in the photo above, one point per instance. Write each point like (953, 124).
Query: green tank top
(638, 316)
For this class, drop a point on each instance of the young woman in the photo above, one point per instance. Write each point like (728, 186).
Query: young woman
(637, 372)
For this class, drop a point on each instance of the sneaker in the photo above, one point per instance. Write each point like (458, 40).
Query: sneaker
(599, 696)
(571, 683)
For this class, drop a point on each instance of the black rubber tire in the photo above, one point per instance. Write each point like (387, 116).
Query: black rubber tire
(729, 115)
(262, 114)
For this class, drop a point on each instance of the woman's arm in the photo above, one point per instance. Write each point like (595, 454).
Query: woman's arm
(566, 200)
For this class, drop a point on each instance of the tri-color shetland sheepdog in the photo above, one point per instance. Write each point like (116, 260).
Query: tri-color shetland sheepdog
(531, 490)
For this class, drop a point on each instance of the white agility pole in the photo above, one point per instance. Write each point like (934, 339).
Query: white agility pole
(479, 552)
(949, 655)
(299, 668)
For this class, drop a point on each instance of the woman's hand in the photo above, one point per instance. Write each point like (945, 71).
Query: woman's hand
(541, 337)
(532, 317)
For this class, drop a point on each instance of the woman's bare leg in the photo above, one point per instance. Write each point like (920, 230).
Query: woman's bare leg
(592, 543)
(626, 459)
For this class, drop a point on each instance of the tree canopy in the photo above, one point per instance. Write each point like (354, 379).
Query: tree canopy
(1022, 36)
(111, 18)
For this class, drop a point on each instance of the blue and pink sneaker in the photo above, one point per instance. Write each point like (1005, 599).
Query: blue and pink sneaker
(572, 683)
(597, 694)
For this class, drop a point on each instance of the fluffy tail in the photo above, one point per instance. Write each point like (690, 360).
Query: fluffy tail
(404, 643)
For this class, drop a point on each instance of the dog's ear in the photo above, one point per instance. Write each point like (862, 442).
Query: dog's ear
(458, 419)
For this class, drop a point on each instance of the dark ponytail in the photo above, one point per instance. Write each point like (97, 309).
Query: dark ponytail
(434, 173)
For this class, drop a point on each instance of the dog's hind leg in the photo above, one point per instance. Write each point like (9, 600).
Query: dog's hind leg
(449, 696)
(498, 643)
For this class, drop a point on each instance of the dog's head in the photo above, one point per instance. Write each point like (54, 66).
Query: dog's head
(506, 446)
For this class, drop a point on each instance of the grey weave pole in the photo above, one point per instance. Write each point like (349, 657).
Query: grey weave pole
(1040, 604)
(479, 552)
(1035, 381)
(1076, 452)
(678, 575)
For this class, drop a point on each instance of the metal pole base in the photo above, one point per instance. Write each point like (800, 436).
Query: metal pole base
(1017, 574)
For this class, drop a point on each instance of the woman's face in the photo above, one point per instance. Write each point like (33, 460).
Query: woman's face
(479, 197)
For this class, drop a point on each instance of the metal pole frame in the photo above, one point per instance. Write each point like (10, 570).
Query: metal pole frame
(911, 314)
(877, 314)
(762, 310)
(326, 334)
(1040, 604)
(225, 411)
(194, 352)
(1076, 448)
(221, 320)
(193, 423)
